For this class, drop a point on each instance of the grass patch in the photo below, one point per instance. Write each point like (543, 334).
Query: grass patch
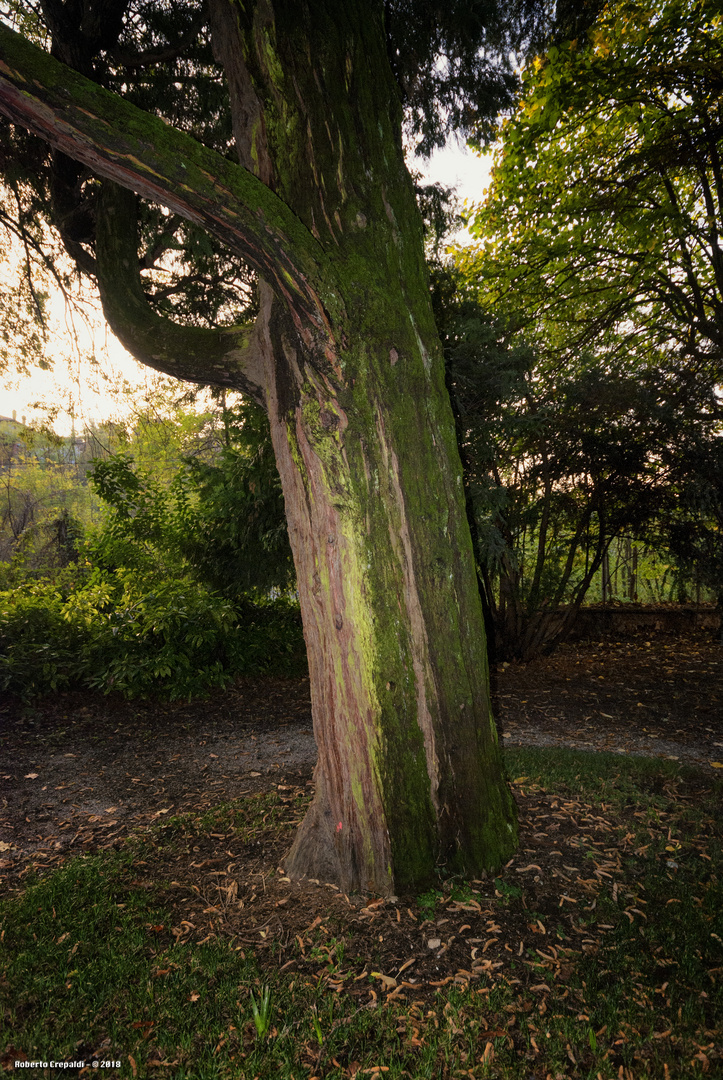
(598, 952)
(603, 777)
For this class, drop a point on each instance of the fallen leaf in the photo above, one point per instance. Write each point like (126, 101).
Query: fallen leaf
(717, 764)
(386, 979)
(488, 1054)
(32, 776)
(4, 846)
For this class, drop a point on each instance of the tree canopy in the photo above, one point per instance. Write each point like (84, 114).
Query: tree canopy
(583, 333)
(602, 225)
(339, 347)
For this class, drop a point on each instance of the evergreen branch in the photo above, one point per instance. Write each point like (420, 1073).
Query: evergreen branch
(137, 150)
(227, 357)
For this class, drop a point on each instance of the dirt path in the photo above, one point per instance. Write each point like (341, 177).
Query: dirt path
(79, 772)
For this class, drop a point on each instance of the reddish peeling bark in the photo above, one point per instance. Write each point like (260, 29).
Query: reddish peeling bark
(346, 357)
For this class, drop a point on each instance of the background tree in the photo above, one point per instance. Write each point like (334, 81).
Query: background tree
(693, 527)
(561, 461)
(344, 356)
(590, 313)
(42, 502)
(601, 227)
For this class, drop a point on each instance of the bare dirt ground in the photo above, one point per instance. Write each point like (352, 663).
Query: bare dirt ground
(79, 772)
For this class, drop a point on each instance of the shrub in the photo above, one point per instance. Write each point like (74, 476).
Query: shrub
(136, 635)
(40, 649)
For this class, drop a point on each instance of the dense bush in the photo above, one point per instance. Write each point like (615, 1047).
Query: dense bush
(40, 649)
(135, 635)
(167, 590)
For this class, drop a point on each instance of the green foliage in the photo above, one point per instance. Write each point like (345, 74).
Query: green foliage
(170, 636)
(315, 1023)
(261, 1011)
(44, 505)
(220, 518)
(602, 221)
(40, 650)
(134, 634)
(694, 531)
(236, 536)
(427, 904)
(583, 336)
(168, 593)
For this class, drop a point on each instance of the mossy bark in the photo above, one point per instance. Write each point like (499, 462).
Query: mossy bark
(409, 771)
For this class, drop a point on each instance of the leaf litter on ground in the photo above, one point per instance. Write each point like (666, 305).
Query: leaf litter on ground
(597, 950)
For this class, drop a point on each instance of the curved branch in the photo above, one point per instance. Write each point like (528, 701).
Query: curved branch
(227, 357)
(139, 151)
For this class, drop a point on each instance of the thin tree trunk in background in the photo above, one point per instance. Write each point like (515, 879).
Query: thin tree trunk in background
(605, 578)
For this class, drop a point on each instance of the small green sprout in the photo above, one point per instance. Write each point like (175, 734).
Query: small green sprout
(317, 1025)
(262, 1012)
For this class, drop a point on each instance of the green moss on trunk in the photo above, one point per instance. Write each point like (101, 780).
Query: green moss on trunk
(350, 367)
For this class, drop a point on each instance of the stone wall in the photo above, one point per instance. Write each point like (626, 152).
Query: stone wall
(632, 620)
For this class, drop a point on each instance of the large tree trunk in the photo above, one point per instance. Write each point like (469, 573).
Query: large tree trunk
(409, 769)
(346, 356)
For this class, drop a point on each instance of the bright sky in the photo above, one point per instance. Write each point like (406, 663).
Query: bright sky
(456, 166)
(82, 391)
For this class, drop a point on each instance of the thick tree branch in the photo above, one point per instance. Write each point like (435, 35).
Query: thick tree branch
(139, 151)
(229, 357)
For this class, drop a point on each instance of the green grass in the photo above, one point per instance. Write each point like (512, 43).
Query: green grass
(88, 967)
(605, 777)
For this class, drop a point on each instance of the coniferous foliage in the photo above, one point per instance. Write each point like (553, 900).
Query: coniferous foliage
(345, 357)
(454, 62)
